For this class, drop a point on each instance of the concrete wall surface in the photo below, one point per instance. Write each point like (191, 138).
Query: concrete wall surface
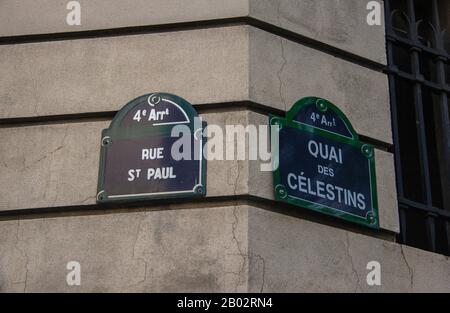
(341, 24)
(56, 165)
(237, 62)
(205, 249)
(300, 256)
(206, 66)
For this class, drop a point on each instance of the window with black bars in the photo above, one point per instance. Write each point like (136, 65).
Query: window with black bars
(418, 46)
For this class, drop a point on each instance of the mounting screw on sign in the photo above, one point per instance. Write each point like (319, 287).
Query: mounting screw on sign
(281, 191)
(321, 105)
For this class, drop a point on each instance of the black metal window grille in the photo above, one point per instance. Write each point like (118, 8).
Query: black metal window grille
(418, 47)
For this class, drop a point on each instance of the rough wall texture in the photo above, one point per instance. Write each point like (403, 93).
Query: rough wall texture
(171, 249)
(53, 99)
(338, 23)
(303, 256)
(237, 63)
(65, 77)
(280, 70)
(216, 249)
(56, 165)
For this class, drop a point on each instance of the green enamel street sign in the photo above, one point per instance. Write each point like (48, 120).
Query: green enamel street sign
(322, 164)
(152, 149)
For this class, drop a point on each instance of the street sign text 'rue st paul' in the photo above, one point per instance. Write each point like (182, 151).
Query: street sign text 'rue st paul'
(137, 159)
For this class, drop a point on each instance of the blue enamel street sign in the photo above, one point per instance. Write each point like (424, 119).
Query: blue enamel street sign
(322, 165)
(141, 158)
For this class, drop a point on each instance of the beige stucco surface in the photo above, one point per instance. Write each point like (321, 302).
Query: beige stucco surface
(282, 72)
(341, 24)
(302, 256)
(205, 249)
(222, 243)
(206, 66)
(56, 165)
(171, 250)
(103, 74)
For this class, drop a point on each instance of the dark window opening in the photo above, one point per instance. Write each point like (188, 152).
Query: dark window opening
(408, 141)
(447, 73)
(419, 73)
(428, 67)
(430, 101)
(402, 58)
(444, 13)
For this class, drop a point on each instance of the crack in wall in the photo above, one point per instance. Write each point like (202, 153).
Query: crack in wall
(62, 144)
(411, 272)
(141, 218)
(280, 88)
(25, 256)
(245, 255)
(233, 229)
(43, 158)
(263, 278)
(241, 253)
(86, 199)
(355, 272)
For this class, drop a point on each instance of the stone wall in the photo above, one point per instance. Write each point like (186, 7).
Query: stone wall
(236, 62)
